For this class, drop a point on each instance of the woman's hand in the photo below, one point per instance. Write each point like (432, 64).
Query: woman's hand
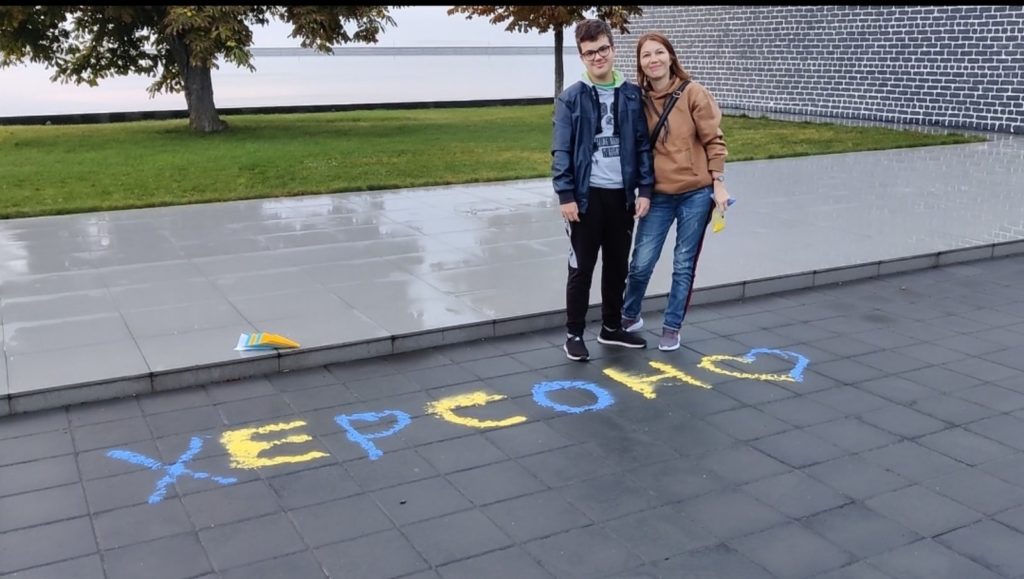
(721, 197)
(643, 205)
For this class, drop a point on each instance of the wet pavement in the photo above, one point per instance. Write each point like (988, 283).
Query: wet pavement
(101, 305)
(868, 429)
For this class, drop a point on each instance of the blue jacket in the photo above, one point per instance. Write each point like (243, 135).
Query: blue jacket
(577, 112)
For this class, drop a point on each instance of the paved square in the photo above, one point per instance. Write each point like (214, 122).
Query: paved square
(864, 430)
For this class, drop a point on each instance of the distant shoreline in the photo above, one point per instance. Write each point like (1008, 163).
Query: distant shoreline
(292, 76)
(182, 113)
(413, 51)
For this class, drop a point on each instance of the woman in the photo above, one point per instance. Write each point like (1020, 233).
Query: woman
(689, 181)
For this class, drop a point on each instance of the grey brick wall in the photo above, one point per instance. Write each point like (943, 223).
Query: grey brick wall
(951, 66)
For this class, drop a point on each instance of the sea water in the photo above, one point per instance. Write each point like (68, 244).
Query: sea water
(293, 77)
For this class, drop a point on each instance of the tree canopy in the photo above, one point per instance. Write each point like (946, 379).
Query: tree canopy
(550, 18)
(177, 45)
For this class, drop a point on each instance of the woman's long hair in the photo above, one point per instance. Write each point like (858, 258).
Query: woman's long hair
(675, 68)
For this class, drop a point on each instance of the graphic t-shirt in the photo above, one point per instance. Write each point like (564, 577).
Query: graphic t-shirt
(606, 170)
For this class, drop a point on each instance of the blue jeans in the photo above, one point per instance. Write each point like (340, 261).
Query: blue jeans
(691, 211)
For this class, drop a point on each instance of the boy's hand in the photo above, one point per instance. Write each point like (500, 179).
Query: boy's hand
(643, 205)
(570, 211)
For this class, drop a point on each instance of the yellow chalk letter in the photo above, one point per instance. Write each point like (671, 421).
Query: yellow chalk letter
(245, 452)
(645, 384)
(446, 407)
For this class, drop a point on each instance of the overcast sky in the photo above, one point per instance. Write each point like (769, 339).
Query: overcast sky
(26, 89)
(423, 26)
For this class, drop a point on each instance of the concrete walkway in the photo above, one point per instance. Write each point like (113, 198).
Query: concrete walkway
(873, 430)
(101, 305)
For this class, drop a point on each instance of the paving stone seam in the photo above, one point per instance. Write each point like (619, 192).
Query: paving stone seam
(98, 553)
(371, 493)
(598, 524)
(477, 507)
(976, 558)
(514, 542)
(281, 509)
(469, 433)
(266, 479)
(176, 497)
(67, 394)
(620, 518)
(260, 476)
(477, 554)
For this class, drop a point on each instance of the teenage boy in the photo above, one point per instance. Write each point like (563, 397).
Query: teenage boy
(601, 157)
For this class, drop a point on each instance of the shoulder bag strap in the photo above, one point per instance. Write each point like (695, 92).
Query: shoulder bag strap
(671, 102)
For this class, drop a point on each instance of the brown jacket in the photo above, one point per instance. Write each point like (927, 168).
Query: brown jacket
(691, 144)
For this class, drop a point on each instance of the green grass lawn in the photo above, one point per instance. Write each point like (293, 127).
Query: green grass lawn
(49, 170)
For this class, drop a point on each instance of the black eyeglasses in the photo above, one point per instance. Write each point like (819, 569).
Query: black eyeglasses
(592, 54)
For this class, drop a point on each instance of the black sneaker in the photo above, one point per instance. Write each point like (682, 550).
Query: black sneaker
(621, 337)
(575, 349)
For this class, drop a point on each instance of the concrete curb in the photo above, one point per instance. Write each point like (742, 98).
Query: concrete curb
(284, 361)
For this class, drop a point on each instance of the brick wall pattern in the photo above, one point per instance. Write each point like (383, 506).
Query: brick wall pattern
(948, 66)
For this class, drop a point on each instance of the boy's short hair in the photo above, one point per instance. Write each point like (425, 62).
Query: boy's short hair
(591, 29)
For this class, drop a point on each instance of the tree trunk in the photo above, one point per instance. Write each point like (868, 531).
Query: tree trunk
(559, 68)
(202, 113)
(198, 85)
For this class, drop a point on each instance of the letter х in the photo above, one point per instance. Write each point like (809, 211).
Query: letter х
(173, 471)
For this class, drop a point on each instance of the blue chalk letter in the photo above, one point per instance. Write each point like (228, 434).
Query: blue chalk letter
(540, 396)
(345, 421)
(173, 471)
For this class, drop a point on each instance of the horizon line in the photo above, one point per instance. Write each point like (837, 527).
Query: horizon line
(420, 50)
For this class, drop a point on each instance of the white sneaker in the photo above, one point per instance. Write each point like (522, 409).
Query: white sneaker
(632, 325)
(669, 340)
